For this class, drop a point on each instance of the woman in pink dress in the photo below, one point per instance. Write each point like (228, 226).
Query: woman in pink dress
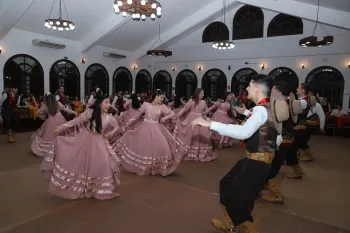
(43, 139)
(176, 107)
(197, 141)
(132, 107)
(221, 116)
(84, 164)
(149, 149)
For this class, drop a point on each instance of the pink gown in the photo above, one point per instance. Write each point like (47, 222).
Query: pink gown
(43, 139)
(85, 164)
(221, 116)
(197, 141)
(129, 114)
(149, 149)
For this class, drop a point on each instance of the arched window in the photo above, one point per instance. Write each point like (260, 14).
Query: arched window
(248, 23)
(25, 73)
(122, 80)
(143, 82)
(214, 83)
(96, 75)
(186, 83)
(285, 25)
(328, 82)
(216, 31)
(243, 76)
(285, 75)
(162, 80)
(64, 73)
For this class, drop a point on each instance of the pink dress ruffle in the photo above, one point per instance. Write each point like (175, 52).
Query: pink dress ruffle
(197, 141)
(84, 164)
(43, 139)
(221, 116)
(150, 149)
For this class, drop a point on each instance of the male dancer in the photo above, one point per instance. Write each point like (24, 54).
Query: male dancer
(301, 133)
(272, 186)
(10, 100)
(315, 113)
(240, 187)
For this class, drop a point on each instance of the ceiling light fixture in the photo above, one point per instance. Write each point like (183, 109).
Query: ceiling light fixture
(138, 9)
(159, 52)
(59, 24)
(311, 41)
(223, 45)
(226, 44)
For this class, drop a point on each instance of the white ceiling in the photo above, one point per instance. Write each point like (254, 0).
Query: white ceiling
(341, 5)
(85, 15)
(130, 36)
(133, 34)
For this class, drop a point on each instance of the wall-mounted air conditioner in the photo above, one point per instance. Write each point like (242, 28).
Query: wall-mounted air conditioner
(48, 44)
(114, 55)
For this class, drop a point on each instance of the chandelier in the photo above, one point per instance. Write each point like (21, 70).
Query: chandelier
(59, 24)
(311, 41)
(138, 9)
(224, 44)
(159, 52)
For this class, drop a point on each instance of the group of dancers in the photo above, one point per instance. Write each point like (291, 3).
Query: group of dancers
(84, 156)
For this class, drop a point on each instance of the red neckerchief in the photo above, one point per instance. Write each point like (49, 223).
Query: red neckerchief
(304, 98)
(12, 99)
(287, 101)
(264, 101)
(121, 99)
(261, 102)
(62, 98)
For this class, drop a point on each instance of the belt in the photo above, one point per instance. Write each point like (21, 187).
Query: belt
(265, 157)
(151, 121)
(313, 123)
(286, 142)
(300, 127)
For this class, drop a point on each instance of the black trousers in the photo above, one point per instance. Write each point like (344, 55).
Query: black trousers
(278, 160)
(240, 186)
(10, 119)
(300, 141)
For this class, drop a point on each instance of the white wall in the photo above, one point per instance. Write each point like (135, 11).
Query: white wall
(20, 42)
(190, 52)
(273, 52)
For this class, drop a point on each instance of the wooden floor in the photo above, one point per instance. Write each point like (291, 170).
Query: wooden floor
(183, 202)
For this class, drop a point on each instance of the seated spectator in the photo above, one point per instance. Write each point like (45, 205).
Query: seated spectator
(338, 112)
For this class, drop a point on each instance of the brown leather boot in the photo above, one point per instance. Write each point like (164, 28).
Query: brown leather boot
(226, 225)
(307, 157)
(10, 137)
(275, 195)
(247, 227)
(297, 172)
(222, 226)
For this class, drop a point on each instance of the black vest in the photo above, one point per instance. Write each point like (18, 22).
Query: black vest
(264, 139)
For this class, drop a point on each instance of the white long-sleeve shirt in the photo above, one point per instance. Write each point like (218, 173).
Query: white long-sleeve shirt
(258, 118)
(303, 103)
(320, 113)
